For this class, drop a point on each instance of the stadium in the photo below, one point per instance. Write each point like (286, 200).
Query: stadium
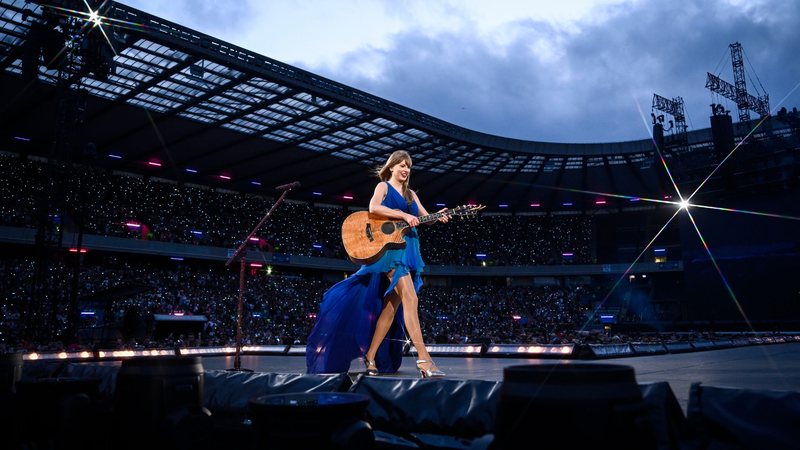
(145, 242)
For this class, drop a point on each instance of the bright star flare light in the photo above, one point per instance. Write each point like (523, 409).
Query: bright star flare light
(684, 205)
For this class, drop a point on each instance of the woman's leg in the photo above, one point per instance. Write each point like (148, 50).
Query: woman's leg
(390, 304)
(408, 295)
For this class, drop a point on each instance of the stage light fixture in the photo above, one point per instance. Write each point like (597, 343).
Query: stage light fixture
(34, 356)
(205, 351)
(265, 349)
(452, 349)
(523, 350)
(296, 350)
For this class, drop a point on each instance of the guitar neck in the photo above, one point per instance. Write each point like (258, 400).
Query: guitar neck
(422, 219)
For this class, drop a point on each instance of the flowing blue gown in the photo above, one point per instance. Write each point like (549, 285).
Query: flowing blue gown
(349, 310)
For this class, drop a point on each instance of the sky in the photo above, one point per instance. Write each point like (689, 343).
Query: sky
(570, 71)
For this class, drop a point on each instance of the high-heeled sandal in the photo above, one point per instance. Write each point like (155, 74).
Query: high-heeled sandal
(370, 363)
(431, 372)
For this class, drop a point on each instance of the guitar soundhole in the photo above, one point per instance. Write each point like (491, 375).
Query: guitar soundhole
(387, 227)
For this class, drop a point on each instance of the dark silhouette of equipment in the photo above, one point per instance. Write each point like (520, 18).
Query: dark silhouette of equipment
(678, 129)
(159, 400)
(737, 92)
(674, 108)
(585, 405)
(332, 420)
(724, 143)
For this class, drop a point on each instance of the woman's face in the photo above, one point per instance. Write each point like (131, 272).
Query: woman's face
(401, 171)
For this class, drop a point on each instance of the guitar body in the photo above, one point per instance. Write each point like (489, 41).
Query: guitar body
(366, 237)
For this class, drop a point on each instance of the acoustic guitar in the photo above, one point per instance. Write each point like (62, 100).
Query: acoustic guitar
(367, 236)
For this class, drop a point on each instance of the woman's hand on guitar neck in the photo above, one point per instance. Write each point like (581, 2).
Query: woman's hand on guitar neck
(445, 217)
(411, 219)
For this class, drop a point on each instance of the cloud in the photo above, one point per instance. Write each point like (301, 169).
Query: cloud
(582, 83)
(205, 16)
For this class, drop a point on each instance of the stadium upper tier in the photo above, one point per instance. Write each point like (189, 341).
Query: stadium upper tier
(138, 93)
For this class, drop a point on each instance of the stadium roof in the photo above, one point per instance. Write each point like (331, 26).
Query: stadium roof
(174, 103)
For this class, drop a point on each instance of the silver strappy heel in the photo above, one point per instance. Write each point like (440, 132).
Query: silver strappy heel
(370, 363)
(429, 372)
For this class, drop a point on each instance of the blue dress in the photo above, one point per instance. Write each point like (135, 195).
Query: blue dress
(349, 310)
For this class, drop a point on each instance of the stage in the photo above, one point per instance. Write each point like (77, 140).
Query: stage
(749, 394)
(756, 367)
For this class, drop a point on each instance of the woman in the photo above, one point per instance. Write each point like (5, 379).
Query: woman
(360, 316)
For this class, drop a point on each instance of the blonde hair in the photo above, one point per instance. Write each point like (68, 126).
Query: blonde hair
(385, 174)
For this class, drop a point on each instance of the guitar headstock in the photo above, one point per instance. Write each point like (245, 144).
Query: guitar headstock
(465, 211)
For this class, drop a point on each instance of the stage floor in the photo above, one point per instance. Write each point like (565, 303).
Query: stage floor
(757, 367)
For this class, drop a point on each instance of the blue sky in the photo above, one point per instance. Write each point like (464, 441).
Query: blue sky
(574, 71)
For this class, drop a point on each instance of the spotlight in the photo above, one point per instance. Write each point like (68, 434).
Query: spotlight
(94, 17)
(684, 204)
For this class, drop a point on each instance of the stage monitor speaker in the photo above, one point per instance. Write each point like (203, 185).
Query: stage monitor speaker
(151, 392)
(332, 420)
(578, 405)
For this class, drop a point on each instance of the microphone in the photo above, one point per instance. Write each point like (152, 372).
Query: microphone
(288, 186)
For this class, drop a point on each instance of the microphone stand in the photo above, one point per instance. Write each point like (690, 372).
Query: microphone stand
(237, 360)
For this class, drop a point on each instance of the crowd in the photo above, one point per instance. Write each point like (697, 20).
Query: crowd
(278, 308)
(132, 206)
(504, 314)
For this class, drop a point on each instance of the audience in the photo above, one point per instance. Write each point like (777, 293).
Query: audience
(279, 308)
(134, 207)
